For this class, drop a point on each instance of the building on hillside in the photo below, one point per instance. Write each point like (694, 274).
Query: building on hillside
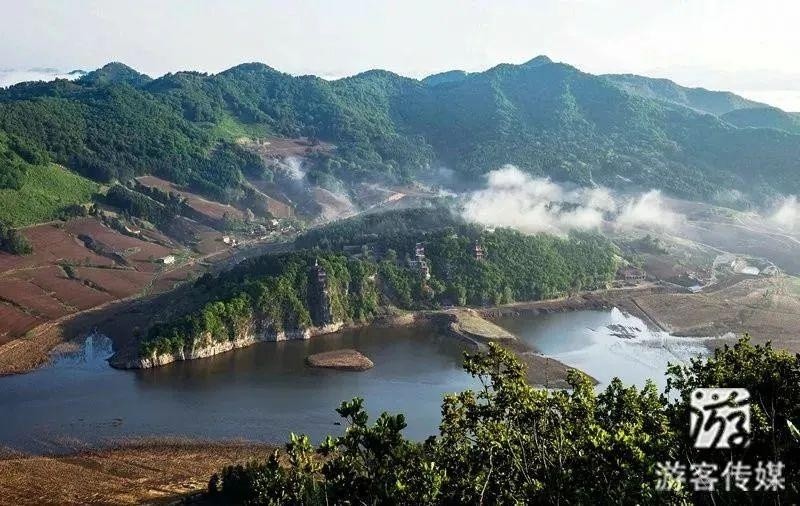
(477, 251)
(695, 289)
(424, 270)
(168, 260)
(419, 251)
(421, 266)
(319, 296)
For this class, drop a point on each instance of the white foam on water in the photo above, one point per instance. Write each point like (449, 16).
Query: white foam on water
(624, 347)
(92, 354)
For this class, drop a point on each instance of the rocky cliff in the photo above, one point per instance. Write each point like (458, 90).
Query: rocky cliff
(211, 347)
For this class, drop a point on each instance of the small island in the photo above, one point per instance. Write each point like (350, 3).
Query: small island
(343, 360)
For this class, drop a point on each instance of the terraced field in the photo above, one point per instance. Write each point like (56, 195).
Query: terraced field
(75, 266)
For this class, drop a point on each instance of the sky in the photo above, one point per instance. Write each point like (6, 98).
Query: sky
(745, 46)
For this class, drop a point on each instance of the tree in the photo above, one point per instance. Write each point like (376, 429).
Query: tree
(511, 443)
(12, 241)
(772, 377)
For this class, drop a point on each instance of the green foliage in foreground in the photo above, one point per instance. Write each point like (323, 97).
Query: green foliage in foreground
(511, 443)
(45, 191)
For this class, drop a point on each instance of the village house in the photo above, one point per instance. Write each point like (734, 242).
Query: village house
(419, 263)
(168, 260)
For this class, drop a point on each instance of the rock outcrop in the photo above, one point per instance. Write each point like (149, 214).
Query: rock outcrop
(217, 347)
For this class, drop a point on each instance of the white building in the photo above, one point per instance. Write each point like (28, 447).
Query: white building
(168, 260)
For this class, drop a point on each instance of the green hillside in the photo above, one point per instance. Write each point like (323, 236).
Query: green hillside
(548, 118)
(45, 191)
(764, 117)
(699, 99)
(277, 292)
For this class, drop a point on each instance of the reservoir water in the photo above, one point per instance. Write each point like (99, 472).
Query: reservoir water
(266, 391)
(605, 344)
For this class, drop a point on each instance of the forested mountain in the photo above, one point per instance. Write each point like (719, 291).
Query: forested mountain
(764, 117)
(700, 99)
(275, 293)
(548, 118)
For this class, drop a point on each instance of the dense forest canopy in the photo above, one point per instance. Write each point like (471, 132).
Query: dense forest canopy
(547, 118)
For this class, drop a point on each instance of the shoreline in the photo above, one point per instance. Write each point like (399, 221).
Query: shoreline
(468, 325)
(120, 320)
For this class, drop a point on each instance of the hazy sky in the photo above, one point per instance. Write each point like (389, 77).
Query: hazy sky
(747, 46)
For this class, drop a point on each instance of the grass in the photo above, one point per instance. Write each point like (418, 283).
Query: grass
(46, 191)
(231, 129)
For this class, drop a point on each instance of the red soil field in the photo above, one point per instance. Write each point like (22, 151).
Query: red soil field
(131, 248)
(14, 323)
(276, 207)
(205, 239)
(168, 280)
(51, 244)
(214, 210)
(39, 287)
(120, 283)
(69, 291)
(29, 296)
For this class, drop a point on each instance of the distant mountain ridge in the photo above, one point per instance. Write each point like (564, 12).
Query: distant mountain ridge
(548, 118)
(699, 99)
(764, 117)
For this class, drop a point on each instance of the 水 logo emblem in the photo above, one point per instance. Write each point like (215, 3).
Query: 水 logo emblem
(720, 417)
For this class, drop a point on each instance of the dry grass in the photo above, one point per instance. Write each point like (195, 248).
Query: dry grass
(766, 308)
(149, 471)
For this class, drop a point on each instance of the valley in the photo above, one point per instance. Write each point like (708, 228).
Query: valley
(226, 257)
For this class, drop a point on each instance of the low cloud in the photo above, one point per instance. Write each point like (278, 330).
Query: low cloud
(786, 214)
(648, 211)
(10, 77)
(514, 199)
(292, 167)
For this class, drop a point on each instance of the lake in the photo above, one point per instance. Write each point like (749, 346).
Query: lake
(606, 344)
(266, 391)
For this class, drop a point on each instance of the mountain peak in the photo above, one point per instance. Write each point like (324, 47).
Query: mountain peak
(251, 68)
(539, 60)
(114, 73)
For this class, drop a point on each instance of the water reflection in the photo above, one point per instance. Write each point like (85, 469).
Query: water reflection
(266, 391)
(261, 393)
